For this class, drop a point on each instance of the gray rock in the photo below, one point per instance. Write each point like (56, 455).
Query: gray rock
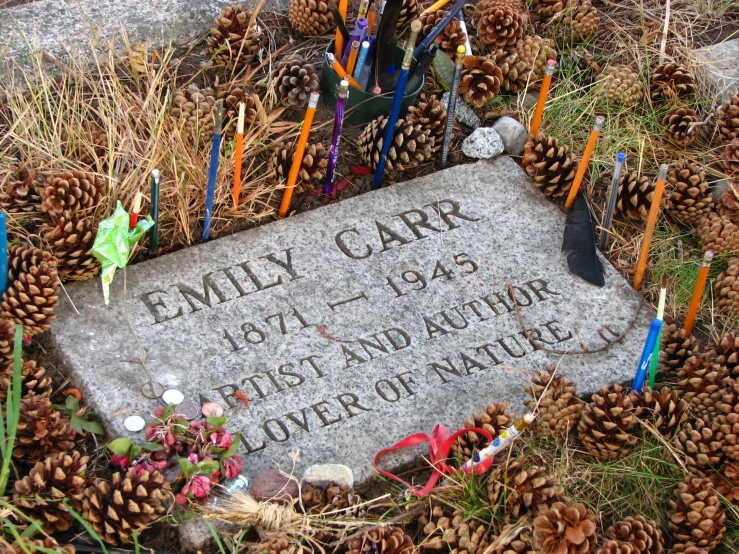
(463, 113)
(345, 345)
(720, 64)
(196, 536)
(513, 134)
(271, 485)
(320, 475)
(483, 143)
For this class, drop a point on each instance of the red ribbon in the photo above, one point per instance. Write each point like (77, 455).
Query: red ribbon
(440, 443)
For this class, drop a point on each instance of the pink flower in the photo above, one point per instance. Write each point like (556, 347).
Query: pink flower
(119, 461)
(193, 458)
(221, 438)
(232, 466)
(199, 486)
(150, 432)
(180, 498)
(158, 412)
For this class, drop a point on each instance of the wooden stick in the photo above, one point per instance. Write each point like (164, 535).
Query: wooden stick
(336, 66)
(238, 154)
(539, 112)
(299, 151)
(695, 301)
(339, 43)
(585, 160)
(659, 189)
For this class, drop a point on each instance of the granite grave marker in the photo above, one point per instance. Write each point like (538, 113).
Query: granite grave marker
(354, 325)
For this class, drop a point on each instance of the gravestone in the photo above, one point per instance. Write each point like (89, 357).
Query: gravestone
(719, 63)
(354, 325)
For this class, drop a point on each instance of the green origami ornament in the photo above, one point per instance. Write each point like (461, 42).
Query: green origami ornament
(114, 241)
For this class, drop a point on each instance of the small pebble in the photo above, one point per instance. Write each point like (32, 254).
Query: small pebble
(483, 143)
(134, 423)
(173, 396)
(272, 486)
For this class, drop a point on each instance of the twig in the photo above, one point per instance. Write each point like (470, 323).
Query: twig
(663, 45)
(539, 346)
(696, 124)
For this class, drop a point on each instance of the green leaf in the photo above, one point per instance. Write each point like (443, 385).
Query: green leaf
(186, 467)
(234, 447)
(152, 446)
(72, 403)
(216, 422)
(86, 525)
(77, 422)
(92, 427)
(444, 69)
(120, 446)
(206, 467)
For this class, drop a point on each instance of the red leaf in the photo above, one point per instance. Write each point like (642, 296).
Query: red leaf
(341, 185)
(360, 170)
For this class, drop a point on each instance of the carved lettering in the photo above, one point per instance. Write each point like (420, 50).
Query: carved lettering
(154, 305)
(339, 239)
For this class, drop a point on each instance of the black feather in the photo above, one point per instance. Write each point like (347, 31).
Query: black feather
(340, 23)
(579, 241)
(386, 45)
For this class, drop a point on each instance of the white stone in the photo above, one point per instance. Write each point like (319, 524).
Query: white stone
(483, 143)
(320, 475)
(513, 135)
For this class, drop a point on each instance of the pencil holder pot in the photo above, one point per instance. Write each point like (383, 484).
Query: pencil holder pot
(362, 107)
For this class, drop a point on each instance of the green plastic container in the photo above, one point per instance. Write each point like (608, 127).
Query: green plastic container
(361, 107)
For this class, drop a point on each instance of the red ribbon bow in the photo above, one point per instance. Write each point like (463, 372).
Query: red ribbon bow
(440, 443)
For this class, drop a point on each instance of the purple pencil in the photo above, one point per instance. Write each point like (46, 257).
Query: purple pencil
(333, 153)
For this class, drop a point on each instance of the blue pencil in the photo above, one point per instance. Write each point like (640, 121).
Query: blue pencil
(646, 355)
(361, 59)
(212, 172)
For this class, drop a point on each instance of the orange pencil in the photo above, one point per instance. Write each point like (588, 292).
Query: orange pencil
(352, 57)
(585, 160)
(659, 189)
(238, 154)
(435, 6)
(371, 18)
(134, 215)
(339, 42)
(292, 177)
(543, 92)
(336, 66)
(695, 301)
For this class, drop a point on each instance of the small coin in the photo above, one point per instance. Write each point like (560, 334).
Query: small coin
(188, 410)
(212, 409)
(134, 423)
(173, 396)
(152, 390)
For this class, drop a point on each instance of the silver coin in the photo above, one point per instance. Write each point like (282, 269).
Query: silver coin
(152, 390)
(134, 423)
(173, 396)
(188, 410)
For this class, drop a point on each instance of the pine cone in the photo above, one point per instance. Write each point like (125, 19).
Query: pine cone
(516, 538)
(519, 490)
(33, 546)
(701, 384)
(621, 86)
(701, 442)
(7, 343)
(451, 534)
(450, 38)
(294, 80)
(607, 424)
(18, 190)
(676, 349)
(727, 120)
(616, 547)
(412, 145)
(670, 81)
(33, 284)
(641, 533)
(697, 517)
(729, 431)
(483, 5)
(409, 11)
(74, 191)
(727, 288)
(547, 8)
(559, 407)
(480, 81)
(726, 481)
(577, 23)
(70, 240)
(329, 498)
(232, 41)
(665, 410)
(195, 110)
(524, 64)
(500, 26)
(35, 381)
(233, 95)
(565, 529)
(718, 233)
(312, 169)
(635, 195)
(381, 540)
(689, 548)
(551, 166)
(310, 17)
(494, 419)
(726, 353)
(280, 544)
(431, 115)
(690, 199)
(127, 503)
(39, 494)
(728, 201)
(42, 431)
(730, 159)
(677, 123)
